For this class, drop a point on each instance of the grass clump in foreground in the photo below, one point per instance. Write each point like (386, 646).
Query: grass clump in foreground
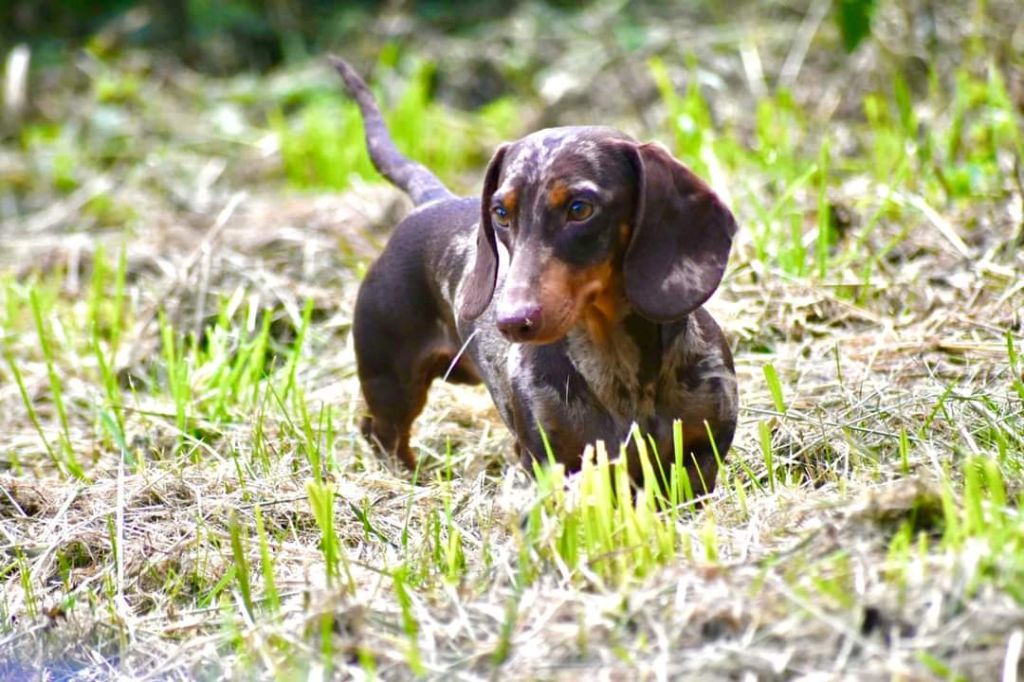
(182, 488)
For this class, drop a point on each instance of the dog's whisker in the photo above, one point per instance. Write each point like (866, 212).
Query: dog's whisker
(455, 360)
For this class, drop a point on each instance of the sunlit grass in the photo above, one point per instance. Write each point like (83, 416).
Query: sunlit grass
(961, 152)
(215, 491)
(322, 144)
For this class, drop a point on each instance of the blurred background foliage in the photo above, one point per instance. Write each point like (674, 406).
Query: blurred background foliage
(791, 106)
(225, 36)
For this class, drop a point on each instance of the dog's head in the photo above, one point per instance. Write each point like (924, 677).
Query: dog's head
(588, 215)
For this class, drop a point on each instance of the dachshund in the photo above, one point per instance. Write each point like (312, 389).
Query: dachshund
(572, 288)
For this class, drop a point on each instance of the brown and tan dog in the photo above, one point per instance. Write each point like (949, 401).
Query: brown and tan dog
(572, 289)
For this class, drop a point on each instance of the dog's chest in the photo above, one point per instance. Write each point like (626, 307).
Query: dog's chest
(621, 373)
(649, 375)
(579, 392)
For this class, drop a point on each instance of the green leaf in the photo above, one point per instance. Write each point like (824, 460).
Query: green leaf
(854, 20)
(771, 377)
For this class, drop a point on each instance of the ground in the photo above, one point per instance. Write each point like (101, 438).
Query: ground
(183, 490)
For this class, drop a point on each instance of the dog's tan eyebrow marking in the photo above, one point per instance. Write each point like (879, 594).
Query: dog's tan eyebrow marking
(560, 192)
(506, 198)
(509, 200)
(558, 195)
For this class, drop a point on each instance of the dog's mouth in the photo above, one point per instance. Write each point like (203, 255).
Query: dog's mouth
(554, 327)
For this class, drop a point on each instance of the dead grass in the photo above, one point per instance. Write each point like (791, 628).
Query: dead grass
(885, 539)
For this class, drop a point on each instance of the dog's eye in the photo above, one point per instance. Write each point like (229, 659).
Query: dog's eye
(500, 214)
(580, 210)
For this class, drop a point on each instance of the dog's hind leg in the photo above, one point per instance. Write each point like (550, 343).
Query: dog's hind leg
(401, 346)
(395, 385)
(392, 375)
(393, 406)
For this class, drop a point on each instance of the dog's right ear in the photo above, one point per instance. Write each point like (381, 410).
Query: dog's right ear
(682, 234)
(479, 286)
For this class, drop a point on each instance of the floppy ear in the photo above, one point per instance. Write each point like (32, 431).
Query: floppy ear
(682, 233)
(479, 287)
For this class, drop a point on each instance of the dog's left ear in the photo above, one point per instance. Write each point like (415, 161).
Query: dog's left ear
(681, 237)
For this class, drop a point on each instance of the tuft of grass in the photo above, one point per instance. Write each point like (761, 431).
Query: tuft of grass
(771, 377)
(410, 625)
(177, 378)
(241, 565)
(974, 129)
(321, 501)
(596, 526)
(68, 458)
(273, 599)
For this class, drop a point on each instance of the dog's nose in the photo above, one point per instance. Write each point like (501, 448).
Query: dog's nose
(521, 324)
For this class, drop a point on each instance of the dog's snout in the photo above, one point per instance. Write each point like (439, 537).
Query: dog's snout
(521, 324)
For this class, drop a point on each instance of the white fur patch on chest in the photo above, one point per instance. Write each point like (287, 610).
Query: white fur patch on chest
(612, 372)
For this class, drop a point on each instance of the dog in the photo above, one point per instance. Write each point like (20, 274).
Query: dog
(572, 288)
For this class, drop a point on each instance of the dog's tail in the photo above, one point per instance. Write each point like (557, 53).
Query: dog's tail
(413, 178)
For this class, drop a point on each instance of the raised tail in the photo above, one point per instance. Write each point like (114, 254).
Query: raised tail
(413, 178)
